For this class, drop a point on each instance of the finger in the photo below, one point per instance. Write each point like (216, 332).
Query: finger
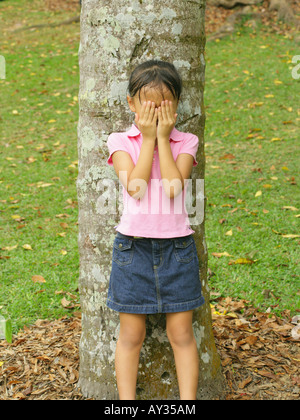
(151, 112)
(147, 110)
(159, 113)
(163, 110)
(169, 110)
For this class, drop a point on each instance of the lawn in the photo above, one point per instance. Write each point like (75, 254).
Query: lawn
(252, 172)
(252, 181)
(38, 207)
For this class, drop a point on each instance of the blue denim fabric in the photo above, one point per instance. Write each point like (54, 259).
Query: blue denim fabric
(151, 276)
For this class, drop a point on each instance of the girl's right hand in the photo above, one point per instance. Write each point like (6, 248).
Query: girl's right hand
(147, 121)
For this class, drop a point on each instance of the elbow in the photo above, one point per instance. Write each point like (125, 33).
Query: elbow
(173, 194)
(137, 195)
(137, 188)
(174, 188)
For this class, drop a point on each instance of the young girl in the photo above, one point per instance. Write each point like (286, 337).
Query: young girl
(155, 267)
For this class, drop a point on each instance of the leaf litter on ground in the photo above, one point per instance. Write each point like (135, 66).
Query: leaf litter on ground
(260, 356)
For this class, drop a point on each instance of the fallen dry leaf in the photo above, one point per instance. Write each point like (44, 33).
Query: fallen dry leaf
(221, 254)
(242, 261)
(65, 303)
(290, 208)
(62, 215)
(38, 279)
(245, 382)
(227, 156)
(251, 339)
(27, 246)
(9, 248)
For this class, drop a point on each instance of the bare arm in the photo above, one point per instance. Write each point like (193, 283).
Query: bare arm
(135, 178)
(173, 173)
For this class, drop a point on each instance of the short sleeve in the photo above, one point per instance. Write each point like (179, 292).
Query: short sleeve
(190, 145)
(115, 142)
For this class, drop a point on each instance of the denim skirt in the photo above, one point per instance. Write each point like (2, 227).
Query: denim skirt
(154, 275)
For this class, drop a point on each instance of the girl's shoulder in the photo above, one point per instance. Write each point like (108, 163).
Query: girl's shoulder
(123, 137)
(133, 131)
(182, 135)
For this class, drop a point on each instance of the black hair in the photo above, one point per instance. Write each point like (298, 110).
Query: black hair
(158, 74)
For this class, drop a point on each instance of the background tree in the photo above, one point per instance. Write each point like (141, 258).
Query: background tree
(116, 35)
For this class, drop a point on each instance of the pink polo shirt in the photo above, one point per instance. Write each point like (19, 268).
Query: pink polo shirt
(155, 215)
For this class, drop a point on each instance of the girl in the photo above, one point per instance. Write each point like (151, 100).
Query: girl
(155, 267)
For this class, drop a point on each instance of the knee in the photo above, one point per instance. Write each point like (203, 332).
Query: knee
(132, 337)
(180, 337)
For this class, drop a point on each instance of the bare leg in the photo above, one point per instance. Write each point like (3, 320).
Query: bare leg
(131, 338)
(181, 336)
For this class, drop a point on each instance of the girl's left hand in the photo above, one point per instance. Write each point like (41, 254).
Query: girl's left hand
(166, 120)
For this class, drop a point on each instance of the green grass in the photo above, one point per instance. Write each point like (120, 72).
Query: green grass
(262, 135)
(38, 122)
(38, 143)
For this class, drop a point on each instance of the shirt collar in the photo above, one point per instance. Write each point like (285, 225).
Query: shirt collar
(175, 135)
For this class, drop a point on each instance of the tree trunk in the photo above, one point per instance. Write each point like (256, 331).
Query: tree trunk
(117, 35)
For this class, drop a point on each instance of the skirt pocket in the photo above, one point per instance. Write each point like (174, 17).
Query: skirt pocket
(184, 249)
(123, 251)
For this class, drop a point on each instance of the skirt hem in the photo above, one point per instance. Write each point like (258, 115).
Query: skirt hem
(154, 309)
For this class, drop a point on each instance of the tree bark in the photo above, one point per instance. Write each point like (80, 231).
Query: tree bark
(117, 35)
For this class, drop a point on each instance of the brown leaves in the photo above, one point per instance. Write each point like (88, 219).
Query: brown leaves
(68, 304)
(229, 156)
(259, 355)
(38, 279)
(42, 362)
(260, 358)
(65, 303)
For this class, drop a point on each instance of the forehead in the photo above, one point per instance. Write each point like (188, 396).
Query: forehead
(155, 93)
